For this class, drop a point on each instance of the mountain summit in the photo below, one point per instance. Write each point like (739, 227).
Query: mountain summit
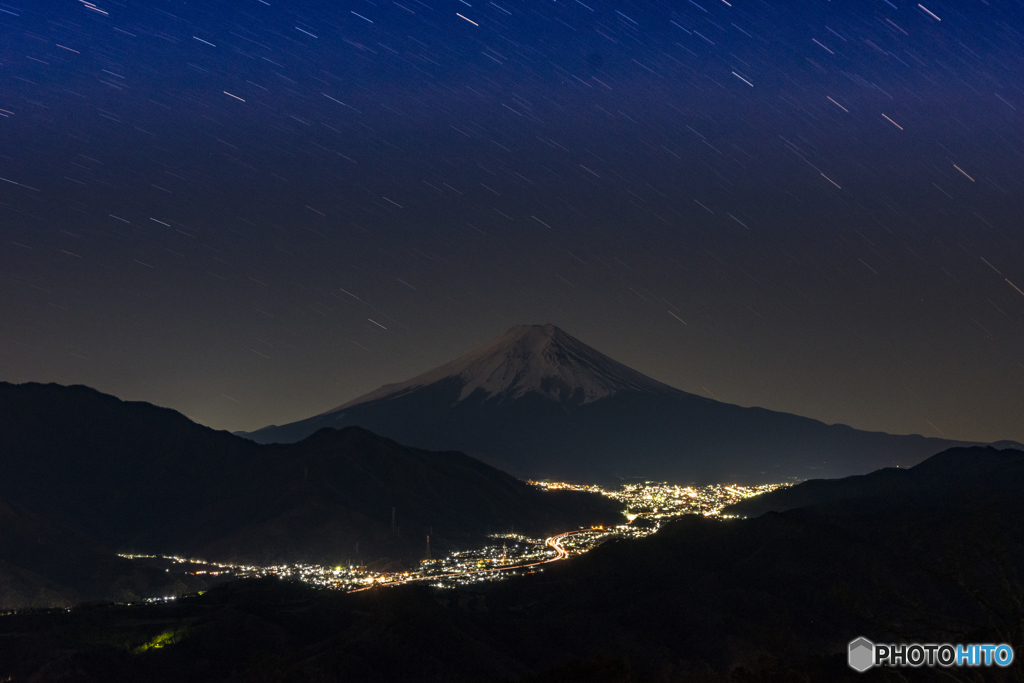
(529, 359)
(537, 402)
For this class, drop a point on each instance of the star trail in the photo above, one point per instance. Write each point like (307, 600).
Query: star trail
(254, 211)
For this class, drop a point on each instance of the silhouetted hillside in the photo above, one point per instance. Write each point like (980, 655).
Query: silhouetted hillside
(942, 475)
(773, 598)
(134, 477)
(43, 564)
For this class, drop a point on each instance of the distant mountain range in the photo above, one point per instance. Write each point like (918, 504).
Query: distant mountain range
(84, 474)
(537, 402)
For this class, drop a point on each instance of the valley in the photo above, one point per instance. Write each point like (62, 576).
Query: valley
(572, 341)
(647, 507)
(926, 553)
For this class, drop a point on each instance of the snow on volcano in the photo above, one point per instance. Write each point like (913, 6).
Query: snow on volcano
(540, 359)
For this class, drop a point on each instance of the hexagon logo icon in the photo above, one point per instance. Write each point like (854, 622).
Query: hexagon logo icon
(861, 654)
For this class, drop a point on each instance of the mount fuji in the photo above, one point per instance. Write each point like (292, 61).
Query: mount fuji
(539, 403)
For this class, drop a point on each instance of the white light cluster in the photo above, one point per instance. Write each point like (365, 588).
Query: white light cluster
(517, 554)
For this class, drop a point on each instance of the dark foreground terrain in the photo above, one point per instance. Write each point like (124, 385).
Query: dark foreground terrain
(84, 475)
(773, 598)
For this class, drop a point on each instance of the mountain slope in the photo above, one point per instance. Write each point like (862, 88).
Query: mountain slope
(947, 474)
(122, 476)
(537, 402)
(529, 359)
(775, 598)
(46, 564)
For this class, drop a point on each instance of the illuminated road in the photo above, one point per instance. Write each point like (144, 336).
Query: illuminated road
(659, 503)
(553, 542)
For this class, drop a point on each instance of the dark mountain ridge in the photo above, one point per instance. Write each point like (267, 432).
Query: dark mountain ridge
(947, 474)
(773, 598)
(133, 477)
(47, 564)
(539, 403)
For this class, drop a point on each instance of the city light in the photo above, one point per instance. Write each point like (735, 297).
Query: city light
(509, 554)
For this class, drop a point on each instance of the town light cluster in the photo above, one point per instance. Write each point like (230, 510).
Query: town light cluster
(508, 554)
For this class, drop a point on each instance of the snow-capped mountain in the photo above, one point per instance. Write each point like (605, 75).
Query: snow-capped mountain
(538, 402)
(529, 359)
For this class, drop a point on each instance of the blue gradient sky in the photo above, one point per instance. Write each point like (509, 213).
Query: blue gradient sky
(253, 212)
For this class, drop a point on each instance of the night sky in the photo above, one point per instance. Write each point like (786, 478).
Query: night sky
(254, 211)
